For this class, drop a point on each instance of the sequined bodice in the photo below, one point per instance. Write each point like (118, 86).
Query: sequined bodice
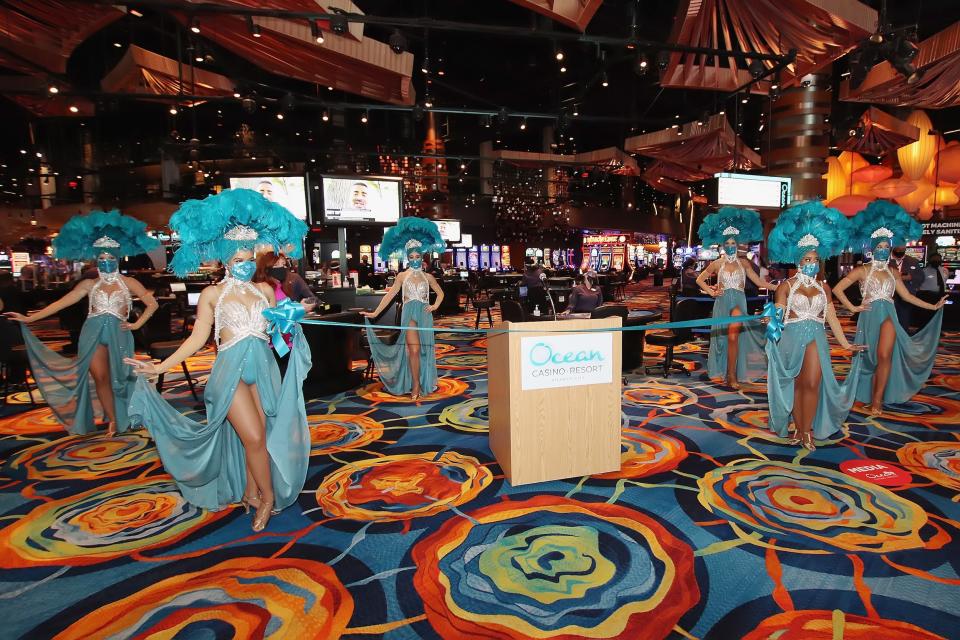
(416, 287)
(115, 303)
(878, 287)
(735, 279)
(801, 307)
(239, 310)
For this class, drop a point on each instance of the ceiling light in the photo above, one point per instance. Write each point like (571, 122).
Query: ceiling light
(195, 25)
(315, 32)
(236, 94)
(523, 124)
(428, 101)
(563, 69)
(279, 116)
(198, 58)
(745, 100)
(365, 117)
(559, 55)
(605, 82)
(641, 64)
(117, 45)
(756, 68)
(173, 111)
(23, 151)
(54, 89)
(398, 42)
(74, 108)
(135, 13)
(253, 28)
(326, 116)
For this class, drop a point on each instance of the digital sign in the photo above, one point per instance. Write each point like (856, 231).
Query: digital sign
(742, 190)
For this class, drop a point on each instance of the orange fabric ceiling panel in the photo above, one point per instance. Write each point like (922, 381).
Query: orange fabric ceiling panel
(42, 34)
(575, 14)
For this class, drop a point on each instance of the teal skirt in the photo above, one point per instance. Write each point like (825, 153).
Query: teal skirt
(784, 361)
(65, 383)
(207, 460)
(391, 360)
(751, 358)
(911, 361)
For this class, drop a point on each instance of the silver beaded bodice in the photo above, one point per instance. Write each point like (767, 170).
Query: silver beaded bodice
(735, 279)
(239, 309)
(416, 287)
(115, 303)
(876, 286)
(801, 307)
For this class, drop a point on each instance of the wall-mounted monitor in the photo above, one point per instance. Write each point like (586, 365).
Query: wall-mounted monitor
(449, 230)
(743, 190)
(289, 190)
(361, 200)
(466, 240)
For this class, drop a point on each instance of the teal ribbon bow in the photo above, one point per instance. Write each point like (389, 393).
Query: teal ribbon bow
(775, 326)
(283, 318)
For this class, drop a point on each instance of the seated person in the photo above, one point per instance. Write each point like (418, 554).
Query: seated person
(531, 277)
(586, 296)
(688, 279)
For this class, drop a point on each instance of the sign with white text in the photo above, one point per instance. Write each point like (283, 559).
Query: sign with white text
(567, 360)
(742, 190)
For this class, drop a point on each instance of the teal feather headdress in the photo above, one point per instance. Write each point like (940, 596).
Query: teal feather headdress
(218, 226)
(884, 220)
(805, 226)
(86, 237)
(420, 234)
(741, 224)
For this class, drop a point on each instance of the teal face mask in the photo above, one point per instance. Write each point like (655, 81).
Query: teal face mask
(243, 271)
(108, 265)
(415, 264)
(810, 269)
(730, 249)
(881, 255)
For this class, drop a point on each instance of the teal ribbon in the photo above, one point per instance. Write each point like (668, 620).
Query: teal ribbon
(680, 324)
(283, 319)
(775, 325)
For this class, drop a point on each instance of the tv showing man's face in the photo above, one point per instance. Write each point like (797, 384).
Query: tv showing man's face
(266, 189)
(358, 196)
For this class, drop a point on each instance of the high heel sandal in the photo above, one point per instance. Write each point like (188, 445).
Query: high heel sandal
(249, 501)
(262, 515)
(807, 441)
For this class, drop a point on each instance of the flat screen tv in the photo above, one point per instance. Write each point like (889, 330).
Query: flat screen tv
(289, 190)
(361, 200)
(449, 230)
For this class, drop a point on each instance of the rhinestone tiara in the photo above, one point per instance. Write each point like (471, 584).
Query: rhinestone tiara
(731, 231)
(882, 232)
(241, 232)
(106, 241)
(412, 244)
(808, 240)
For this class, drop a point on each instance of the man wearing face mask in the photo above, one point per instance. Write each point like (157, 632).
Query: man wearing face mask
(909, 269)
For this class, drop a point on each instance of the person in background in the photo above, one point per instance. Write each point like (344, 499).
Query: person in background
(910, 273)
(586, 296)
(28, 277)
(934, 284)
(688, 278)
(764, 270)
(364, 271)
(277, 268)
(531, 277)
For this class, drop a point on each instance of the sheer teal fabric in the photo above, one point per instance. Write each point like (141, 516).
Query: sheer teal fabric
(785, 359)
(391, 360)
(751, 357)
(207, 460)
(912, 358)
(65, 383)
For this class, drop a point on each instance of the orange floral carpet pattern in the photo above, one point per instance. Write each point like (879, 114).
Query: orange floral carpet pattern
(714, 528)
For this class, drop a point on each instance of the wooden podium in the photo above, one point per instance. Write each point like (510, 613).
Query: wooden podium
(550, 417)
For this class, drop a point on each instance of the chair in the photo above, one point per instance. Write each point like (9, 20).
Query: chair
(684, 310)
(14, 363)
(480, 303)
(152, 335)
(512, 311)
(620, 287)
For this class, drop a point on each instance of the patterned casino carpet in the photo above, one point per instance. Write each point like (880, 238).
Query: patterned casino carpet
(713, 528)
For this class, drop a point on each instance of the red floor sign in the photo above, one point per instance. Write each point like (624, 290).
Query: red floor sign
(875, 471)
